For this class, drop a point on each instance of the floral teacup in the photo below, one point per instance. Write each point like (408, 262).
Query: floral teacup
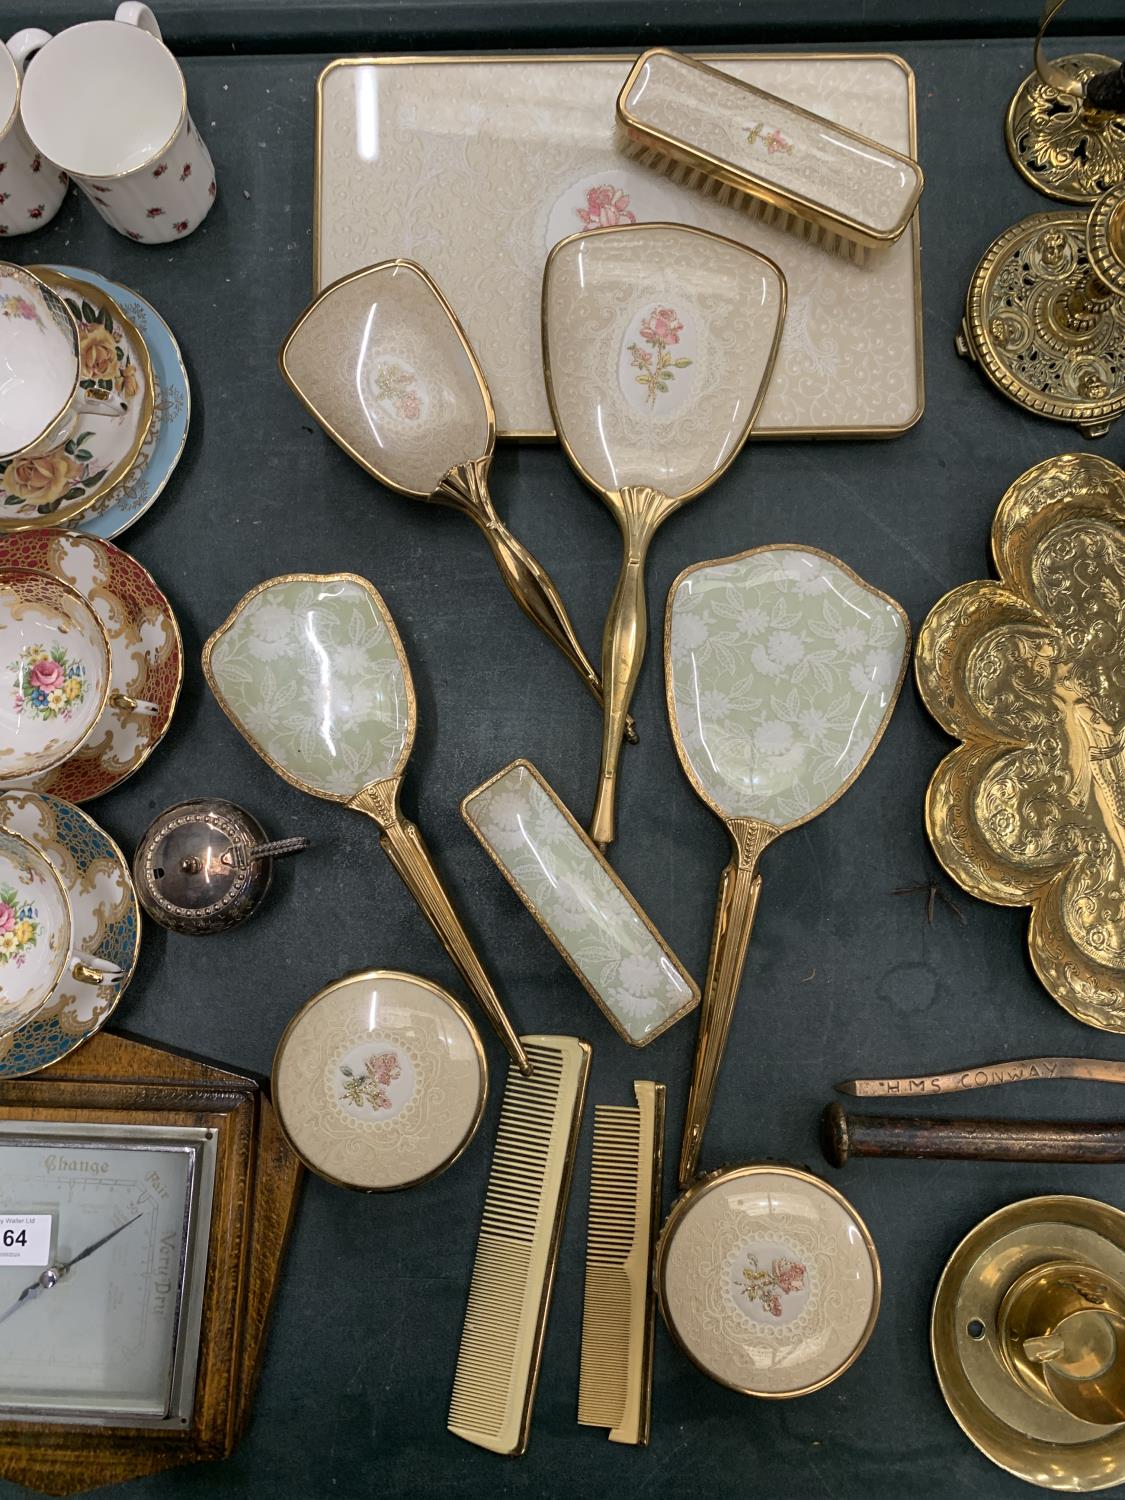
(40, 364)
(33, 189)
(54, 672)
(35, 934)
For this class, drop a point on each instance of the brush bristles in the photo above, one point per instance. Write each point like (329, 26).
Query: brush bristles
(497, 1364)
(733, 197)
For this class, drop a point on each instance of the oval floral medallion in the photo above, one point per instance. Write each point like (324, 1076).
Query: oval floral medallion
(374, 1081)
(658, 360)
(770, 1283)
(395, 388)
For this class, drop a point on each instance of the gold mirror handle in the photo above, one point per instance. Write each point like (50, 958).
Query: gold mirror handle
(405, 848)
(639, 511)
(535, 592)
(465, 488)
(735, 910)
(623, 651)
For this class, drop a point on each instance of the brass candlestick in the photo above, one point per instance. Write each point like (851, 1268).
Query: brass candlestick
(1045, 314)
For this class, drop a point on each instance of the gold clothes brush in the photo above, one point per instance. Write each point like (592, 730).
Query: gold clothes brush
(615, 1381)
(518, 1248)
(782, 163)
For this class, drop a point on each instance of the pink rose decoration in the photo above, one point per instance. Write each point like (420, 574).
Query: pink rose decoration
(662, 327)
(605, 206)
(411, 407)
(46, 675)
(7, 918)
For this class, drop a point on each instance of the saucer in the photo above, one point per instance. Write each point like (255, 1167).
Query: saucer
(128, 500)
(145, 645)
(60, 485)
(106, 924)
(379, 1081)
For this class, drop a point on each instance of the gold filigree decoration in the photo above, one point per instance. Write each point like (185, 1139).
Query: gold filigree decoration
(1062, 146)
(1029, 673)
(1045, 330)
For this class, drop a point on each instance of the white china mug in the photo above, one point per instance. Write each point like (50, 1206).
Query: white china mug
(40, 365)
(36, 934)
(61, 665)
(31, 189)
(139, 159)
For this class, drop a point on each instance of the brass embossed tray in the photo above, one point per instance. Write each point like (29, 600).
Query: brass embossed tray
(1029, 673)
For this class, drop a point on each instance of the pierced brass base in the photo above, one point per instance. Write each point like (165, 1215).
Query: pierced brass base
(1003, 1338)
(1059, 144)
(1036, 334)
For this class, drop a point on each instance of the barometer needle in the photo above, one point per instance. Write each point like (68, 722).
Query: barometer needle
(54, 1274)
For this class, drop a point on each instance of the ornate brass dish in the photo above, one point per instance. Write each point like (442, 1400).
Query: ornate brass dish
(1023, 1338)
(1029, 672)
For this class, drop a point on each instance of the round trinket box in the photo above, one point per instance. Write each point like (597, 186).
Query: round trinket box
(204, 866)
(768, 1280)
(379, 1081)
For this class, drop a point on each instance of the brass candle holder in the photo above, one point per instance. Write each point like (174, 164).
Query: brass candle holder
(1045, 314)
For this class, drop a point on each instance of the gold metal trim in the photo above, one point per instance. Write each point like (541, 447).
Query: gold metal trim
(787, 200)
(639, 512)
(777, 434)
(400, 651)
(400, 263)
(465, 488)
(987, 1259)
(741, 882)
(478, 1047)
(59, 283)
(556, 940)
(719, 1178)
(399, 839)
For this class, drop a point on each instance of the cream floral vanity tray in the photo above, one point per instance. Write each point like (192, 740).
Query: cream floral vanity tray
(476, 166)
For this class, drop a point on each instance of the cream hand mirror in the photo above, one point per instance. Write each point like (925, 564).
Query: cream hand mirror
(381, 362)
(658, 344)
(781, 670)
(310, 669)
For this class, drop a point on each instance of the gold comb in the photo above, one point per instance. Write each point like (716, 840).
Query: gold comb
(615, 1383)
(518, 1248)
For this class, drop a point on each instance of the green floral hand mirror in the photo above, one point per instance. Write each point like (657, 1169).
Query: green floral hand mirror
(310, 669)
(782, 668)
(381, 362)
(658, 345)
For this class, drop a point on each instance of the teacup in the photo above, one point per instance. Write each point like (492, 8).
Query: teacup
(56, 655)
(40, 363)
(55, 663)
(33, 189)
(141, 162)
(36, 930)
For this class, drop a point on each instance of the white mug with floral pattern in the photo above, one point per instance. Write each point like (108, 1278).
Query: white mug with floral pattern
(31, 189)
(141, 162)
(40, 366)
(36, 932)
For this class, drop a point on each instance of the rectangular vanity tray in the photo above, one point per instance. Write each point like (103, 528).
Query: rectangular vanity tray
(476, 166)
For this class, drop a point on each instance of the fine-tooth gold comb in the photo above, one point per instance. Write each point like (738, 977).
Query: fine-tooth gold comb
(615, 1383)
(518, 1248)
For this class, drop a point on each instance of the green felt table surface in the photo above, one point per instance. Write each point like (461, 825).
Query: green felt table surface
(843, 976)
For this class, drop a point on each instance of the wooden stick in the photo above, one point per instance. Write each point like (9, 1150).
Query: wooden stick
(844, 1136)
